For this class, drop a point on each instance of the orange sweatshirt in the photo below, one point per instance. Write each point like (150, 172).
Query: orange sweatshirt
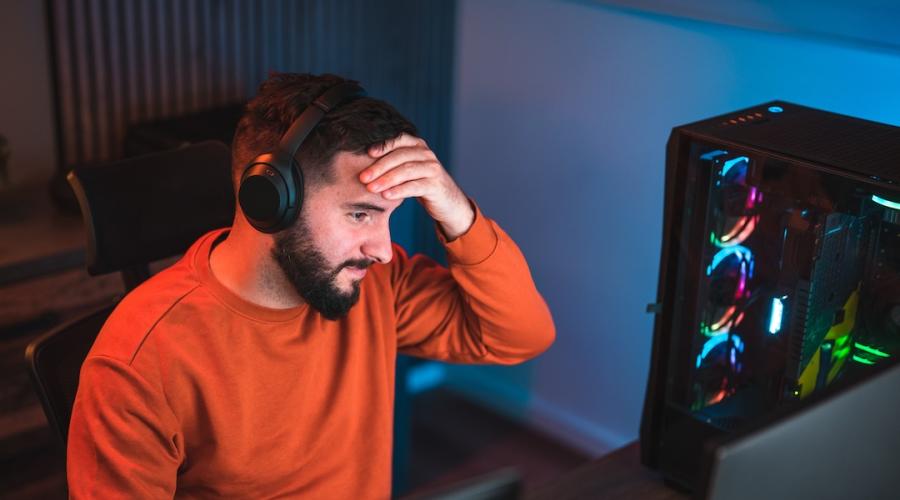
(192, 392)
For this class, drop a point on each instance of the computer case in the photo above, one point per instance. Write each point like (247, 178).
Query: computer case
(779, 272)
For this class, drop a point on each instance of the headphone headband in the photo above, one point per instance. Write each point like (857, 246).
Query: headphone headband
(311, 116)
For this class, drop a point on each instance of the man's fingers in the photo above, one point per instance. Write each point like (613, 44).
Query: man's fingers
(392, 160)
(402, 141)
(411, 189)
(403, 173)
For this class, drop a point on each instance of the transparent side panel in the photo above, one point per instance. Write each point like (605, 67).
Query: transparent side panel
(793, 276)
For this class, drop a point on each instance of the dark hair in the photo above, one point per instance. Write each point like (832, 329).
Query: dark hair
(354, 126)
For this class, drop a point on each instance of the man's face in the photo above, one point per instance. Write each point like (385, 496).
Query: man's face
(341, 230)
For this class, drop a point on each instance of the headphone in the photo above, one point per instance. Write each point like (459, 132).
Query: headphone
(271, 188)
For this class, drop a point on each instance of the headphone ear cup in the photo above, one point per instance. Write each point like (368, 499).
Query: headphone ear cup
(270, 192)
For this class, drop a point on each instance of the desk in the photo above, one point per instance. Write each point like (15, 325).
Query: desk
(618, 475)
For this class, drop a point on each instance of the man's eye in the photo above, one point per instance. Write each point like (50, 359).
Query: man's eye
(359, 216)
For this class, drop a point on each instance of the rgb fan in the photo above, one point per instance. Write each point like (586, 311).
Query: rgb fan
(728, 276)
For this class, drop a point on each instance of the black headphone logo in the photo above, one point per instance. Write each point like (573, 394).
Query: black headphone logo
(271, 188)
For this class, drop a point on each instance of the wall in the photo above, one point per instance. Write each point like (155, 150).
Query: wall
(120, 63)
(25, 106)
(562, 111)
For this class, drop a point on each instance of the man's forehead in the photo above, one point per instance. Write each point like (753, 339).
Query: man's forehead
(350, 164)
(352, 193)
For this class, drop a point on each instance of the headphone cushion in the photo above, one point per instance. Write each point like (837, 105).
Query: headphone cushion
(270, 192)
(261, 198)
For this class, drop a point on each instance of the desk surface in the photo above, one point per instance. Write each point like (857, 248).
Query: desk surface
(618, 475)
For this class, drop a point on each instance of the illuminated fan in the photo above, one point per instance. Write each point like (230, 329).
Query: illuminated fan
(720, 356)
(730, 272)
(717, 362)
(738, 204)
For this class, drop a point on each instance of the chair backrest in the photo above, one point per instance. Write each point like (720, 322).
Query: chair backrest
(54, 361)
(143, 209)
(136, 211)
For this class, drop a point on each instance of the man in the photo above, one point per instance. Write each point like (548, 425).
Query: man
(262, 365)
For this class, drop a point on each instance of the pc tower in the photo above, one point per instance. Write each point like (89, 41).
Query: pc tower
(779, 274)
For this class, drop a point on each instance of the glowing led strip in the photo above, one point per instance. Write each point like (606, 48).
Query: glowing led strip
(871, 350)
(777, 315)
(886, 203)
(862, 360)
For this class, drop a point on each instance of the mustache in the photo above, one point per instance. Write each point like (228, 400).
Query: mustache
(357, 263)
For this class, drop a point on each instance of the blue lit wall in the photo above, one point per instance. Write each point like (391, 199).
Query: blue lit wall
(562, 114)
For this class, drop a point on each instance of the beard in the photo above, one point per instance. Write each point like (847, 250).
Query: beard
(308, 271)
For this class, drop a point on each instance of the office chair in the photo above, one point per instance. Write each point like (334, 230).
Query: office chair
(136, 211)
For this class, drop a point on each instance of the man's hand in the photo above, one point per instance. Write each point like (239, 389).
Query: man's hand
(406, 167)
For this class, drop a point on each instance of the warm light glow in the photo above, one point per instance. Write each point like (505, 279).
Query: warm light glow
(719, 396)
(741, 230)
(724, 319)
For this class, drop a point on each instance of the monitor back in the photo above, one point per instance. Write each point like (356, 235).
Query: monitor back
(844, 446)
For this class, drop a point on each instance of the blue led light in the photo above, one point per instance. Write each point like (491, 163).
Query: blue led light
(775, 109)
(716, 340)
(709, 345)
(738, 343)
(777, 316)
(732, 162)
(742, 253)
(713, 154)
(425, 376)
(886, 203)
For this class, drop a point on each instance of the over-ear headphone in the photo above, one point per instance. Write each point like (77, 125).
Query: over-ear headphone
(271, 188)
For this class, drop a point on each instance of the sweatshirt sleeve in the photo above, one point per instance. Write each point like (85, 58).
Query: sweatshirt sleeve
(122, 440)
(483, 309)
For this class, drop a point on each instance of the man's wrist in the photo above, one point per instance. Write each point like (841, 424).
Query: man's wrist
(459, 225)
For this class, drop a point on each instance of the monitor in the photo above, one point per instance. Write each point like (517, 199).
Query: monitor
(842, 445)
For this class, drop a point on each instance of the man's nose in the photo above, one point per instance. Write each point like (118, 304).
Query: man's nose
(378, 246)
